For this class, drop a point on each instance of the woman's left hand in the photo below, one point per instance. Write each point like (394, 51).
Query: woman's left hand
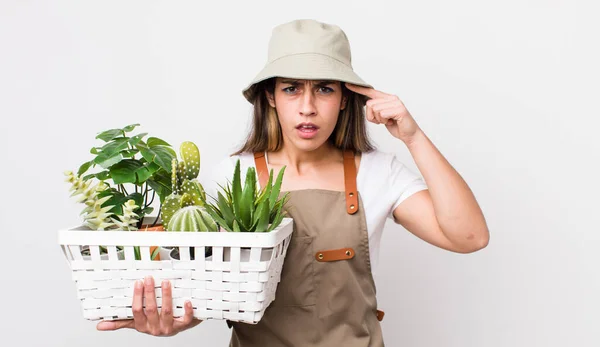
(383, 108)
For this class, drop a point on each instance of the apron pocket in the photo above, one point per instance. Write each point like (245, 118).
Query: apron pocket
(297, 286)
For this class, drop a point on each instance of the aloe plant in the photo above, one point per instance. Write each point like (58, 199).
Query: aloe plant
(250, 209)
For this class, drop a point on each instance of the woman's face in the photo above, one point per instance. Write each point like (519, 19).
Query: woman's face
(308, 110)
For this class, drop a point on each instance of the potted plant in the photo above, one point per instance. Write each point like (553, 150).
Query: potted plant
(124, 160)
(250, 209)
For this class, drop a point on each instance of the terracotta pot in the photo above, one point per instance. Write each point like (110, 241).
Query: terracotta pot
(157, 227)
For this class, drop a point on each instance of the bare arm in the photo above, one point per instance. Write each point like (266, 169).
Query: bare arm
(446, 215)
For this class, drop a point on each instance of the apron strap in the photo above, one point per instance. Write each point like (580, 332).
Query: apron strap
(349, 177)
(350, 182)
(261, 168)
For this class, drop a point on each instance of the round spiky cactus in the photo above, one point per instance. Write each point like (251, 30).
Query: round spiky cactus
(192, 218)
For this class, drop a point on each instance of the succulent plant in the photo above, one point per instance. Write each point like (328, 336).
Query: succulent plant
(251, 209)
(96, 217)
(128, 220)
(186, 190)
(192, 218)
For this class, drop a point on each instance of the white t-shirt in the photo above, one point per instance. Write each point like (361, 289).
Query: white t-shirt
(382, 181)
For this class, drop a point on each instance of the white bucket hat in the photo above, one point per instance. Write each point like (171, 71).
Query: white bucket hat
(307, 49)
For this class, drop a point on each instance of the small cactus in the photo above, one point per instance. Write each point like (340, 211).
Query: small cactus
(191, 157)
(186, 190)
(192, 218)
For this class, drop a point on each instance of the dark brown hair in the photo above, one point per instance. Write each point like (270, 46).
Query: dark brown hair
(265, 135)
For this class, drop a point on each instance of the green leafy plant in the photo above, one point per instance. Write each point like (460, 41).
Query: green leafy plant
(139, 170)
(250, 209)
(126, 162)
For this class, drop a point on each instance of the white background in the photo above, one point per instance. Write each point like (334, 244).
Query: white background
(507, 90)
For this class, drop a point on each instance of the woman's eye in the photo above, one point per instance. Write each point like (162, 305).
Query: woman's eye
(327, 90)
(288, 89)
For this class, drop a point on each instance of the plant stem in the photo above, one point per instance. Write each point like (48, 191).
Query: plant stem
(157, 216)
(152, 199)
(124, 191)
(146, 196)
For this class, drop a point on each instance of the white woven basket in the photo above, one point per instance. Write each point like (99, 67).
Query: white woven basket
(237, 282)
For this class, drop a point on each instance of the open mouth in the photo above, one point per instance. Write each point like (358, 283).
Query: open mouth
(307, 126)
(307, 130)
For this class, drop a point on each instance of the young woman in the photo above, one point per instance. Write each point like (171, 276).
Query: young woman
(309, 116)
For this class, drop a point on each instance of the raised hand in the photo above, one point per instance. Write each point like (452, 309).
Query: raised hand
(388, 109)
(150, 321)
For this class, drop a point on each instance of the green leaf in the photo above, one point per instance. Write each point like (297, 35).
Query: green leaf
(147, 210)
(225, 209)
(145, 172)
(155, 141)
(125, 171)
(160, 155)
(83, 168)
(113, 147)
(94, 150)
(137, 138)
(155, 253)
(117, 199)
(161, 183)
(109, 134)
(213, 212)
(236, 190)
(247, 201)
(265, 192)
(106, 162)
(236, 227)
(103, 175)
(130, 127)
(276, 188)
(129, 153)
(263, 216)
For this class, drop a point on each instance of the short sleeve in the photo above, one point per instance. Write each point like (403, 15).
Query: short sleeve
(220, 174)
(404, 182)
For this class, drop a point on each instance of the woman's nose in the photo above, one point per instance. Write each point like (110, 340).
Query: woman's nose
(307, 107)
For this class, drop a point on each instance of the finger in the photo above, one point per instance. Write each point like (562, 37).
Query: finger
(380, 110)
(188, 317)
(115, 325)
(137, 307)
(391, 113)
(370, 116)
(370, 92)
(151, 308)
(380, 101)
(166, 310)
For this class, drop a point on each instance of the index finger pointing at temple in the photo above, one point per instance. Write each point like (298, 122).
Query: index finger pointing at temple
(370, 92)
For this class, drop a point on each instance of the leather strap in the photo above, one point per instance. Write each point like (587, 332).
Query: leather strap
(380, 315)
(349, 177)
(335, 254)
(350, 182)
(261, 168)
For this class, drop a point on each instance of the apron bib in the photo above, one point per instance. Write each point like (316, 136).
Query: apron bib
(326, 296)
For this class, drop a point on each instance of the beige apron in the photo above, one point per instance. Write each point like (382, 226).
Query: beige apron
(326, 296)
